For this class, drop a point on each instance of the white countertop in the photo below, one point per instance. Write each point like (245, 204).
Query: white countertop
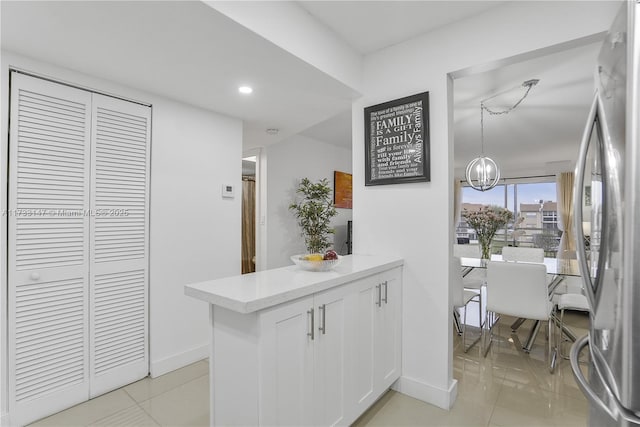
(251, 292)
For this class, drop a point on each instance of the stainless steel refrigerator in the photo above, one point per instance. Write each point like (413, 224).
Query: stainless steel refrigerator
(607, 214)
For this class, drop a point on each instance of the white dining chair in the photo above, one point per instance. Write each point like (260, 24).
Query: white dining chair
(461, 297)
(466, 251)
(519, 290)
(518, 253)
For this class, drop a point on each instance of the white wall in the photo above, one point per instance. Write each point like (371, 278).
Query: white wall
(414, 220)
(194, 233)
(288, 162)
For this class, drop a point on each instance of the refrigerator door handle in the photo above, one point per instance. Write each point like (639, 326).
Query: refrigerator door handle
(578, 218)
(618, 411)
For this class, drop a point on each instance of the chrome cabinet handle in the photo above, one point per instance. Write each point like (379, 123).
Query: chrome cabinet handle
(322, 328)
(311, 334)
(379, 301)
(386, 292)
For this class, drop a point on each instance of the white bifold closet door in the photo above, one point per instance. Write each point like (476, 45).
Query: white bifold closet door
(78, 252)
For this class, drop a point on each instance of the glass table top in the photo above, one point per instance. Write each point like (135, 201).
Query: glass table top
(564, 267)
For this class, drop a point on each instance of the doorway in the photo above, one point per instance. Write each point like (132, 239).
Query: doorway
(248, 216)
(250, 211)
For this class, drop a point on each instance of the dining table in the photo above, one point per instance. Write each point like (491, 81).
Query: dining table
(559, 270)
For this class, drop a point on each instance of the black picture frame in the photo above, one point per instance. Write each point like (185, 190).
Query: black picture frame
(396, 141)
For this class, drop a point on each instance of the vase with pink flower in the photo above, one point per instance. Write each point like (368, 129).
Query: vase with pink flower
(486, 221)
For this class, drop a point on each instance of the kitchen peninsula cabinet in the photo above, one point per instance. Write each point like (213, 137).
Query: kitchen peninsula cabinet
(292, 347)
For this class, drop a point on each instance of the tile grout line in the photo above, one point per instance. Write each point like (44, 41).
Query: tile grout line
(495, 404)
(148, 414)
(129, 394)
(138, 404)
(167, 391)
(173, 388)
(111, 414)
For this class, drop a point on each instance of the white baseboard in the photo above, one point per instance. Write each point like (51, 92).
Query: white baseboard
(171, 363)
(442, 398)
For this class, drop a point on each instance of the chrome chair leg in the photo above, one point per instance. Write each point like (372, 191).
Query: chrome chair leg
(515, 325)
(464, 326)
(553, 350)
(456, 321)
(489, 324)
(464, 330)
(561, 341)
(532, 337)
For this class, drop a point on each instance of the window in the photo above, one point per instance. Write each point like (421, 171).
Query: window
(533, 202)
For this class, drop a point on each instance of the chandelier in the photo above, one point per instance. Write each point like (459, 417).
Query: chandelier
(483, 173)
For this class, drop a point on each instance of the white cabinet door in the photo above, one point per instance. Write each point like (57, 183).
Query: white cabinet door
(364, 310)
(333, 341)
(287, 336)
(48, 247)
(387, 354)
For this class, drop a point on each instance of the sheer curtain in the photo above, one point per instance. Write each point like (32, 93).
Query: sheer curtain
(564, 193)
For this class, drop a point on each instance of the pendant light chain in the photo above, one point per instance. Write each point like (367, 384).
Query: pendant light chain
(528, 84)
(486, 170)
(482, 107)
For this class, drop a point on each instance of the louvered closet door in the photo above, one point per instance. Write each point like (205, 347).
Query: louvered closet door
(48, 247)
(119, 247)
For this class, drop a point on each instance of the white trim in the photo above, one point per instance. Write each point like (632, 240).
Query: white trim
(4, 419)
(74, 85)
(539, 179)
(177, 361)
(442, 398)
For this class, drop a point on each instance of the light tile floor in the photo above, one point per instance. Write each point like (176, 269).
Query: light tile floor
(507, 388)
(179, 398)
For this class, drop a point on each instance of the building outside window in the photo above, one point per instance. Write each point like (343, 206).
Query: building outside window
(534, 209)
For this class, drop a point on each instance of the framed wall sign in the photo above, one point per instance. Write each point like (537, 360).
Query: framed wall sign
(396, 141)
(342, 190)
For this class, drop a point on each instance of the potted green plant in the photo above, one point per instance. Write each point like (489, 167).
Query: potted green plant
(314, 211)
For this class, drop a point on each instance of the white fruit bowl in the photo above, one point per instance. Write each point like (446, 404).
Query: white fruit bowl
(324, 265)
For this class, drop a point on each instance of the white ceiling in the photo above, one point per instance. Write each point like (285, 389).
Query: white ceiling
(183, 50)
(368, 26)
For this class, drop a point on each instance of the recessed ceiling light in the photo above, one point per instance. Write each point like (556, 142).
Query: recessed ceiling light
(246, 90)
(272, 131)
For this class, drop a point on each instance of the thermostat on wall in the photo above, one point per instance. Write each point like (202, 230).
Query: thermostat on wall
(227, 191)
